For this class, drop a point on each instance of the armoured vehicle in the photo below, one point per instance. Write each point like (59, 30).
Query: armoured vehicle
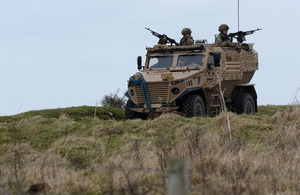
(196, 80)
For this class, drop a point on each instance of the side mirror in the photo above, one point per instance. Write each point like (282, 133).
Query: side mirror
(214, 59)
(217, 59)
(139, 62)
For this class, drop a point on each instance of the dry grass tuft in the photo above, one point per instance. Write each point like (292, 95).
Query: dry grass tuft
(66, 156)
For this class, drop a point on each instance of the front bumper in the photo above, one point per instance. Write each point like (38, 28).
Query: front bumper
(158, 108)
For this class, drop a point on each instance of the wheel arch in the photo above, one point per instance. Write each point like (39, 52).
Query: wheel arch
(195, 90)
(245, 89)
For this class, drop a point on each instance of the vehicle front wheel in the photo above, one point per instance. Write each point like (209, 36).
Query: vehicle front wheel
(129, 114)
(192, 106)
(244, 104)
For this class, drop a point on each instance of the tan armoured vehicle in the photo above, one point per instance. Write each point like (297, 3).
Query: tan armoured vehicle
(192, 80)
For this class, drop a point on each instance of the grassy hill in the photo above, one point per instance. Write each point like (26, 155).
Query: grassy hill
(79, 151)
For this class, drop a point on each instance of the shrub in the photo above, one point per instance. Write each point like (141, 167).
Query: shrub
(114, 100)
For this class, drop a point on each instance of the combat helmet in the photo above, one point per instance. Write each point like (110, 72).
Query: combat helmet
(223, 27)
(186, 31)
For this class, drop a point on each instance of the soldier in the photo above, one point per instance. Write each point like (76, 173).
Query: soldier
(163, 40)
(221, 39)
(187, 39)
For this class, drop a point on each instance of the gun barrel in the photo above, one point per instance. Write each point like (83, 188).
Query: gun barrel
(241, 34)
(149, 30)
(168, 39)
(256, 30)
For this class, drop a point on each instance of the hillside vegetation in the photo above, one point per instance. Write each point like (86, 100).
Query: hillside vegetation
(83, 150)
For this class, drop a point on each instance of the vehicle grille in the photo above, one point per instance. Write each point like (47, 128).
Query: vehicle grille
(158, 93)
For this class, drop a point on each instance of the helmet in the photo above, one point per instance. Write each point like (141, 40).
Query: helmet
(223, 27)
(186, 31)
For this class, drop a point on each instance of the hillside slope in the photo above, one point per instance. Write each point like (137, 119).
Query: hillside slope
(75, 151)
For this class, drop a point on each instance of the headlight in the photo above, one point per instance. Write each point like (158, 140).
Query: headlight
(175, 91)
(131, 92)
(176, 82)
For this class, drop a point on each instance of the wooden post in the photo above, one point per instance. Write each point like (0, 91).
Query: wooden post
(178, 177)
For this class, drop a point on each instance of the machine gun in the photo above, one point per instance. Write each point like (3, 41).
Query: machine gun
(163, 39)
(240, 35)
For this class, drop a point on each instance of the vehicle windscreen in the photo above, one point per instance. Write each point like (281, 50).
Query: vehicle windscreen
(190, 60)
(160, 62)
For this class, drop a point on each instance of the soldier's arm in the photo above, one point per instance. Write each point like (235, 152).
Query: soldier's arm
(182, 41)
(218, 40)
(190, 40)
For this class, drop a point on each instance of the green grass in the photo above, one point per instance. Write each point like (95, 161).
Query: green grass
(41, 129)
(270, 110)
(76, 113)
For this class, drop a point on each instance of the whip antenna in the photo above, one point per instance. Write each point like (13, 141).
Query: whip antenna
(238, 15)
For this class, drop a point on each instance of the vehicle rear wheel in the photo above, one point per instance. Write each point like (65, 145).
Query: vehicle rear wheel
(192, 106)
(244, 104)
(129, 114)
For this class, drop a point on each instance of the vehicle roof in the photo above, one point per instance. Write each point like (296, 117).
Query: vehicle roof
(160, 48)
(164, 49)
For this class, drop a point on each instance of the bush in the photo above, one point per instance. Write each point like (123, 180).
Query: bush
(114, 100)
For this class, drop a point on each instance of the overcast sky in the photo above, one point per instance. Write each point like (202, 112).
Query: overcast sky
(63, 53)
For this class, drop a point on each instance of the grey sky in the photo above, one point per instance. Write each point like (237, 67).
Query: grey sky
(70, 53)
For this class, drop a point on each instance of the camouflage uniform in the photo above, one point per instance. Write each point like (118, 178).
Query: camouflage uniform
(221, 39)
(187, 39)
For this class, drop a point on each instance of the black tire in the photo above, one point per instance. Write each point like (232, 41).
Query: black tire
(192, 106)
(244, 104)
(129, 114)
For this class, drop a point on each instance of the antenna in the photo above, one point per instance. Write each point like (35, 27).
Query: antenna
(238, 15)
